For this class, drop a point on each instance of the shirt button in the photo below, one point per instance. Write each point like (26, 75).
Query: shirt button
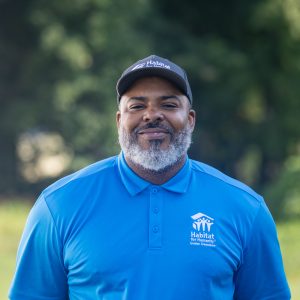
(154, 190)
(156, 210)
(155, 229)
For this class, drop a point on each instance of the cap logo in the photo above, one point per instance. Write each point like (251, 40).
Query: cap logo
(151, 63)
(139, 66)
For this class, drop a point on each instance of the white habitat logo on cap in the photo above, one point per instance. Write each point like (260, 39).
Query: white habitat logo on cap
(151, 63)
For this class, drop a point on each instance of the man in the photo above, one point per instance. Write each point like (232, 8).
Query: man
(150, 224)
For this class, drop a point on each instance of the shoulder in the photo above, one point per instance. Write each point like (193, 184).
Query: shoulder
(92, 172)
(70, 199)
(232, 202)
(223, 182)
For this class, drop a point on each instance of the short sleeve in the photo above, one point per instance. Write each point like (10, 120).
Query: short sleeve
(40, 273)
(261, 274)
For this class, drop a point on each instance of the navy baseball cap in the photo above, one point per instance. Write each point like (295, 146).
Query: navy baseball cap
(154, 65)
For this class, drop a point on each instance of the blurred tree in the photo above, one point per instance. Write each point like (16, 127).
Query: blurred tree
(244, 61)
(61, 60)
(285, 190)
(16, 46)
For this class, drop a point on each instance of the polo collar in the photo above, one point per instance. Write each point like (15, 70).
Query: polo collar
(135, 184)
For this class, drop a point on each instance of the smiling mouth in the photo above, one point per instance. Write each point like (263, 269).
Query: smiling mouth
(153, 133)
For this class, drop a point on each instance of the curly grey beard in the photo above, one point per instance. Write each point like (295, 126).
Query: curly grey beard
(154, 158)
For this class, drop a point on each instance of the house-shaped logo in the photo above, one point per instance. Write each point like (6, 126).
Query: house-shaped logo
(202, 222)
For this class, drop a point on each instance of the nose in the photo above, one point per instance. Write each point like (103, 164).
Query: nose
(153, 114)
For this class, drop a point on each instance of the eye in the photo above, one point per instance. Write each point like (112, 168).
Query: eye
(169, 105)
(136, 106)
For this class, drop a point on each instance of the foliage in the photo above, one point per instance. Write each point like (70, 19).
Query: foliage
(284, 193)
(62, 78)
(244, 61)
(61, 60)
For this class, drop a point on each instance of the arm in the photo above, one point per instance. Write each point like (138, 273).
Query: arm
(261, 274)
(40, 273)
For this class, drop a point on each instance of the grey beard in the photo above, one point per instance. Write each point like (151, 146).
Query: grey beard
(155, 159)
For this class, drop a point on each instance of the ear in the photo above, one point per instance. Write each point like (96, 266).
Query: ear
(192, 118)
(118, 118)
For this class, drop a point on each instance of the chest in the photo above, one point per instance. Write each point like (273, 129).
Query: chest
(126, 241)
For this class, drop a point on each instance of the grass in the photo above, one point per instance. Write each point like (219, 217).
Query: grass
(289, 237)
(12, 219)
(13, 216)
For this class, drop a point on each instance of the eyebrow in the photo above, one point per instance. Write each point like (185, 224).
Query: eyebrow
(170, 97)
(138, 98)
(142, 98)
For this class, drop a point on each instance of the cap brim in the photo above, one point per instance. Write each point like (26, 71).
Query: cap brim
(125, 82)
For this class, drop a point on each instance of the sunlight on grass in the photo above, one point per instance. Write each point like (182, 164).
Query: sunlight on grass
(12, 219)
(13, 216)
(289, 236)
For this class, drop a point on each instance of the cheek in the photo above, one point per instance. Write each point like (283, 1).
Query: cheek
(126, 123)
(180, 122)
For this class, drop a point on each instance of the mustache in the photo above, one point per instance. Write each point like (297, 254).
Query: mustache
(154, 125)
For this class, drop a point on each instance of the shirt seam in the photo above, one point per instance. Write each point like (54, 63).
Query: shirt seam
(244, 250)
(252, 227)
(56, 229)
(257, 197)
(47, 193)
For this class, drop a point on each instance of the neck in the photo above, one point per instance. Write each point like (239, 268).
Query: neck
(156, 177)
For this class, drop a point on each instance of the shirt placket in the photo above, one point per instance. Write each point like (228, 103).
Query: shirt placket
(155, 218)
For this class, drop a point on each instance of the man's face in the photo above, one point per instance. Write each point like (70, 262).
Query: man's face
(154, 118)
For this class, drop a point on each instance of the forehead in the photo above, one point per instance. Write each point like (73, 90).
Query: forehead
(153, 85)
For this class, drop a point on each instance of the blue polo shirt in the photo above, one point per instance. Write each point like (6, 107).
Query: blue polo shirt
(105, 233)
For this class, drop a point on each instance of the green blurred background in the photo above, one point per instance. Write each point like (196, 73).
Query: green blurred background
(60, 60)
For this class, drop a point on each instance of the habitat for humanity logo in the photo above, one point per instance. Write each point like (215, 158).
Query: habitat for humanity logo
(203, 234)
(151, 63)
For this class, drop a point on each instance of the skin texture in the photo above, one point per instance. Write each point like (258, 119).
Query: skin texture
(154, 100)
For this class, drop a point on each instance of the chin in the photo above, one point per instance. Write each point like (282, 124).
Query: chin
(161, 145)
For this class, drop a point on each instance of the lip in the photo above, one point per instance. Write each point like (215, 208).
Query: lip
(153, 133)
